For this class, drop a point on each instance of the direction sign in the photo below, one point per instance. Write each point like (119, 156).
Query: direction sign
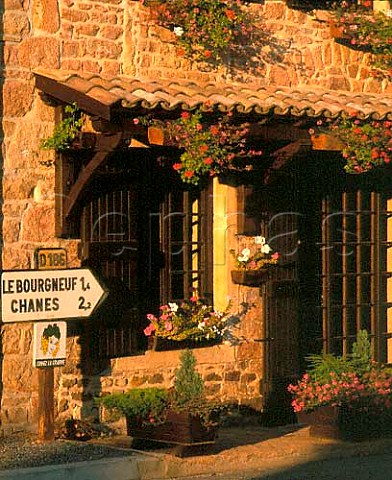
(28, 295)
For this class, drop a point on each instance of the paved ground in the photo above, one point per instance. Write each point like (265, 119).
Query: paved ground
(283, 453)
(240, 453)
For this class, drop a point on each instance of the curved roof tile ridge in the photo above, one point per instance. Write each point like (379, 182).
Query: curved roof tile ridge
(243, 98)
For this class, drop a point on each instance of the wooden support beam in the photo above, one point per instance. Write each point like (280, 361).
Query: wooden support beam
(106, 144)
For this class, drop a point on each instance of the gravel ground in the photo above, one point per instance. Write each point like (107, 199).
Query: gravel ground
(22, 451)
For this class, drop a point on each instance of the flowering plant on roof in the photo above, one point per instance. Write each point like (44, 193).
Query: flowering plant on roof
(366, 143)
(259, 256)
(208, 149)
(205, 29)
(191, 319)
(368, 30)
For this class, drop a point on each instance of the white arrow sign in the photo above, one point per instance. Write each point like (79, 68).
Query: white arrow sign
(29, 295)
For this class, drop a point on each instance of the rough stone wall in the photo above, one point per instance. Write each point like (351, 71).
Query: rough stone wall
(229, 374)
(115, 37)
(303, 53)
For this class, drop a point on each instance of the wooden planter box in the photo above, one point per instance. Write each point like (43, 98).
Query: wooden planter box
(179, 429)
(347, 424)
(250, 278)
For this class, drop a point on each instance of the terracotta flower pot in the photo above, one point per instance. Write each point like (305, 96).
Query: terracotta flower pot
(156, 135)
(326, 141)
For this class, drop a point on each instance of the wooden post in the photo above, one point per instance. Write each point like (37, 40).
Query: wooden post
(50, 258)
(46, 404)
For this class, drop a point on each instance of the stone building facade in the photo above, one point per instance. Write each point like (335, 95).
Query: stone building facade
(117, 39)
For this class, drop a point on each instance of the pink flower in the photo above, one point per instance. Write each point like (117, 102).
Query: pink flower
(149, 330)
(168, 326)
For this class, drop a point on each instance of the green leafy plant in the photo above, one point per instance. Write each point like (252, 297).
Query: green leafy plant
(191, 319)
(66, 131)
(354, 382)
(149, 406)
(146, 405)
(257, 257)
(205, 29)
(366, 143)
(209, 146)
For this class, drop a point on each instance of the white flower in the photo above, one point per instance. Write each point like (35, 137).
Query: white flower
(244, 257)
(173, 307)
(266, 248)
(178, 31)
(259, 240)
(201, 325)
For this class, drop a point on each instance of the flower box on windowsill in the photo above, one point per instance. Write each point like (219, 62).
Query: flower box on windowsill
(160, 344)
(250, 278)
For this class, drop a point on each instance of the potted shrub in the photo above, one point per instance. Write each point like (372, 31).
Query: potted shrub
(345, 397)
(190, 320)
(144, 406)
(253, 263)
(181, 415)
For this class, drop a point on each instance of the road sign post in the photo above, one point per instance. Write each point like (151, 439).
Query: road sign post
(31, 295)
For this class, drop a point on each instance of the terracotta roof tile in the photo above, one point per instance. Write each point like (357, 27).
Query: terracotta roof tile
(105, 94)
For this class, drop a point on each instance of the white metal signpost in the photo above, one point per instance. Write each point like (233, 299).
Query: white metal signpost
(31, 295)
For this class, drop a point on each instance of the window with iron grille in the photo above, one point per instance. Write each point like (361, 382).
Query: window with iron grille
(354, 275)
(186, 236)
(149, 239)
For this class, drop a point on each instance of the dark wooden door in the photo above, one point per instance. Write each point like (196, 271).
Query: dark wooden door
(331, 229)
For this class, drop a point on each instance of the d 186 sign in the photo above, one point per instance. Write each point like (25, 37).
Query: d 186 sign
(29, 295)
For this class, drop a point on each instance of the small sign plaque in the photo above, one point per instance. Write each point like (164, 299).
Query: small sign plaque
(50, 258)
(49, 344)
